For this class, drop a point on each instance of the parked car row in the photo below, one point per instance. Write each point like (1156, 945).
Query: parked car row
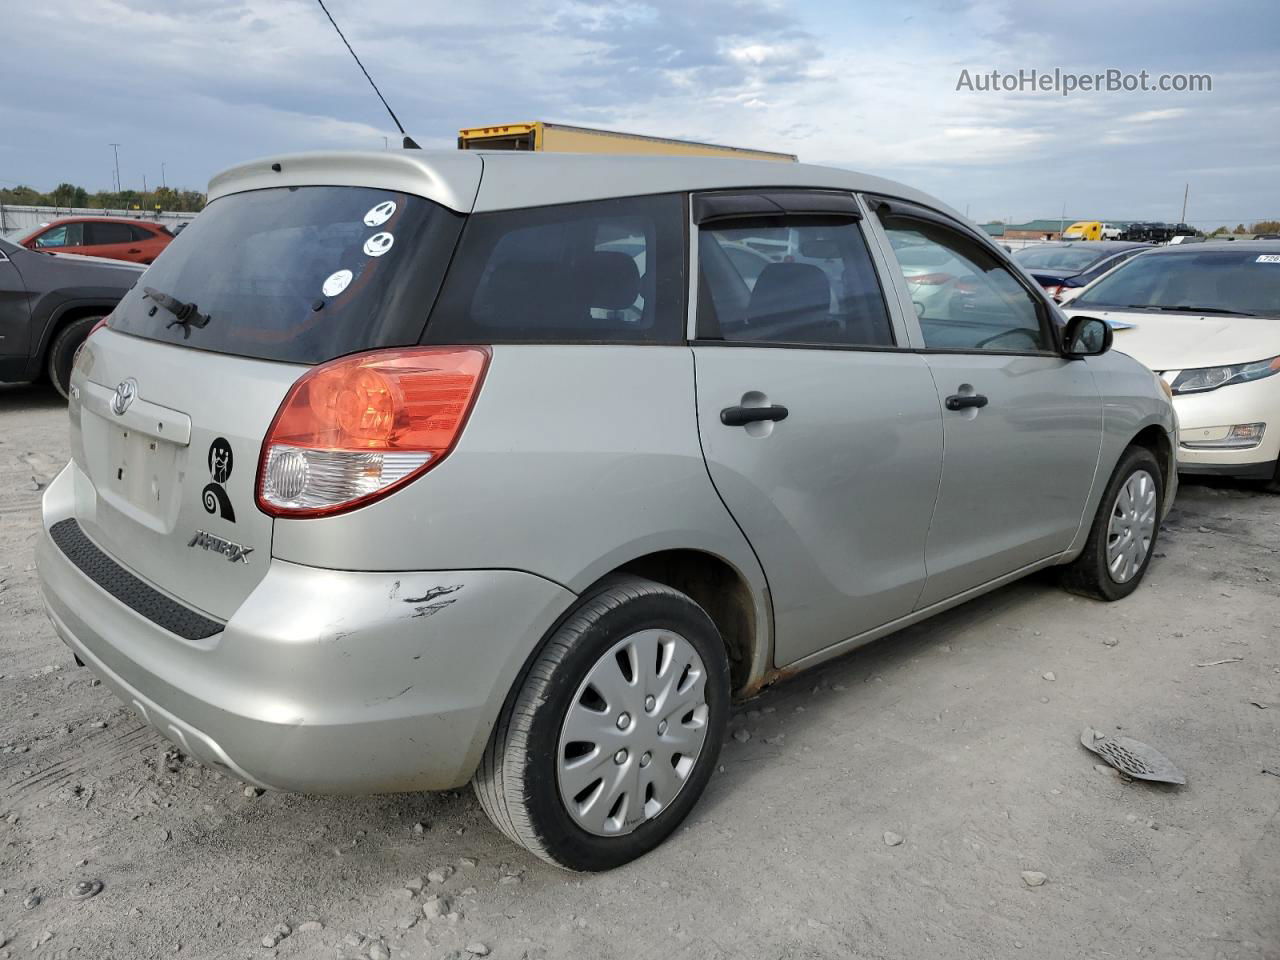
(1138, 231)
(1145, 231)
(1063, 268)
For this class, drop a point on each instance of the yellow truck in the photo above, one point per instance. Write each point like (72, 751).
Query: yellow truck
(1091, 230)
(561, 138)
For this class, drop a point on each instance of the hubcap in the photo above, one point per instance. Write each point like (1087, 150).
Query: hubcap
(633, 733)
(1132, 526)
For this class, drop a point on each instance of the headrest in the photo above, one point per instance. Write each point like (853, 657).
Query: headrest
(788, 289)
(612, 281)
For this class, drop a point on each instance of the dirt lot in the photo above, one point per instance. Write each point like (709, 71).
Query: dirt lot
(960, 736)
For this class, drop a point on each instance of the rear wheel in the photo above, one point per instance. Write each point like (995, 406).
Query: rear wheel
(1124, 532)
(62, 352)
(613, 735)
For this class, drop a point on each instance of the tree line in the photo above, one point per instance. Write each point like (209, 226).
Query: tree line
(161, 199)
(1262, 226)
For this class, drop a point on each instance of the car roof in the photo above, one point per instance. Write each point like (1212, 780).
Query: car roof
(478, 181)
(146, 223)
(1108, 246)
(1218, 246)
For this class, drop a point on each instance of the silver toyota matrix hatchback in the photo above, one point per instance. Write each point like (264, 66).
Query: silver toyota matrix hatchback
(399, 471)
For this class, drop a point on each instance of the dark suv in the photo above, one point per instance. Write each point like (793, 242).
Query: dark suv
(48, 304)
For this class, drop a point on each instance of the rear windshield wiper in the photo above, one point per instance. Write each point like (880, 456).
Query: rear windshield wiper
(1186, 308)
(186, 315)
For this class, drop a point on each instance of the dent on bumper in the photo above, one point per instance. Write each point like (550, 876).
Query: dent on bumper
(323, 681)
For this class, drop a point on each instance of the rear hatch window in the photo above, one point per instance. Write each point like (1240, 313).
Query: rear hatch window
(292, 276)
(297, 274)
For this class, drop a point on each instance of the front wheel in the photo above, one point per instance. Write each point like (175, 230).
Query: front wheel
(612, 737)
(1124, 532)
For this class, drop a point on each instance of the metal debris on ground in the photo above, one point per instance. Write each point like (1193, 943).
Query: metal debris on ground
(1132, 757)
(85, 889)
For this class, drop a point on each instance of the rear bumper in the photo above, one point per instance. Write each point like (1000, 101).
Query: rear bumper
(323, 681)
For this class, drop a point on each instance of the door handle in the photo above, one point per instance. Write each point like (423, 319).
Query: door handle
(963, 401)
(741, 416)
(135, 250)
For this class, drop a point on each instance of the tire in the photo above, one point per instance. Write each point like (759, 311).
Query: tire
(1091, 574)
(518, 782)
(1272, 485)
(62, 352)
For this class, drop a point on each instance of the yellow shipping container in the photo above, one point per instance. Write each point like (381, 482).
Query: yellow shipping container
(559, 138)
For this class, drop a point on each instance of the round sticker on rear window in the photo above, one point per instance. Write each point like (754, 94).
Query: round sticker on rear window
(336, 282)
(380, 214)
(378, 244)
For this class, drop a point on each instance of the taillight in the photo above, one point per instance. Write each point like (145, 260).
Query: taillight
(82, 359)
(355, 429)
(930, 279)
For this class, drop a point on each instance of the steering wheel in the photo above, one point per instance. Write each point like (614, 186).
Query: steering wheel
(1032, 335)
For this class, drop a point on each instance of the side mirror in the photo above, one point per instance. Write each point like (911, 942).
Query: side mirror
(1086, 337)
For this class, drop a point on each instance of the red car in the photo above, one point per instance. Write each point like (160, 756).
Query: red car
(116, 238)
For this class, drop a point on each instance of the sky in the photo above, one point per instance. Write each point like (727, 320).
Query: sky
(198, 85)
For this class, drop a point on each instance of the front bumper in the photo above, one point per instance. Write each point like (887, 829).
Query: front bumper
(1205, 416)
(323, 681)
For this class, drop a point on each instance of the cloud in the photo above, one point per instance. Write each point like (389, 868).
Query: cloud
(202, 84)
(1150, 116)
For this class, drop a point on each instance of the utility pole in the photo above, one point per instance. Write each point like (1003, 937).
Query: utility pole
(1185, 192)
(115, 149)
(144, 183)
(163, 184)
(386, 144)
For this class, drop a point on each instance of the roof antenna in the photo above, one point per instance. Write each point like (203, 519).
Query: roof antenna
(409, 143)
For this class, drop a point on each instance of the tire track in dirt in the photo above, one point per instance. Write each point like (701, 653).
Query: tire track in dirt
(93, 759)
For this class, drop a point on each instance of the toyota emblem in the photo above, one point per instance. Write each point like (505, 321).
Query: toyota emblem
(125, 392)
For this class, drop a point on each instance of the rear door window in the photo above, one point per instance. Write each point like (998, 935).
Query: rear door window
(608, 271)
(101, 234)
(299, 274)
(789, 279)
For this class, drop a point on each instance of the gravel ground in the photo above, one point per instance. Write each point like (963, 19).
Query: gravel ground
(897, 803)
